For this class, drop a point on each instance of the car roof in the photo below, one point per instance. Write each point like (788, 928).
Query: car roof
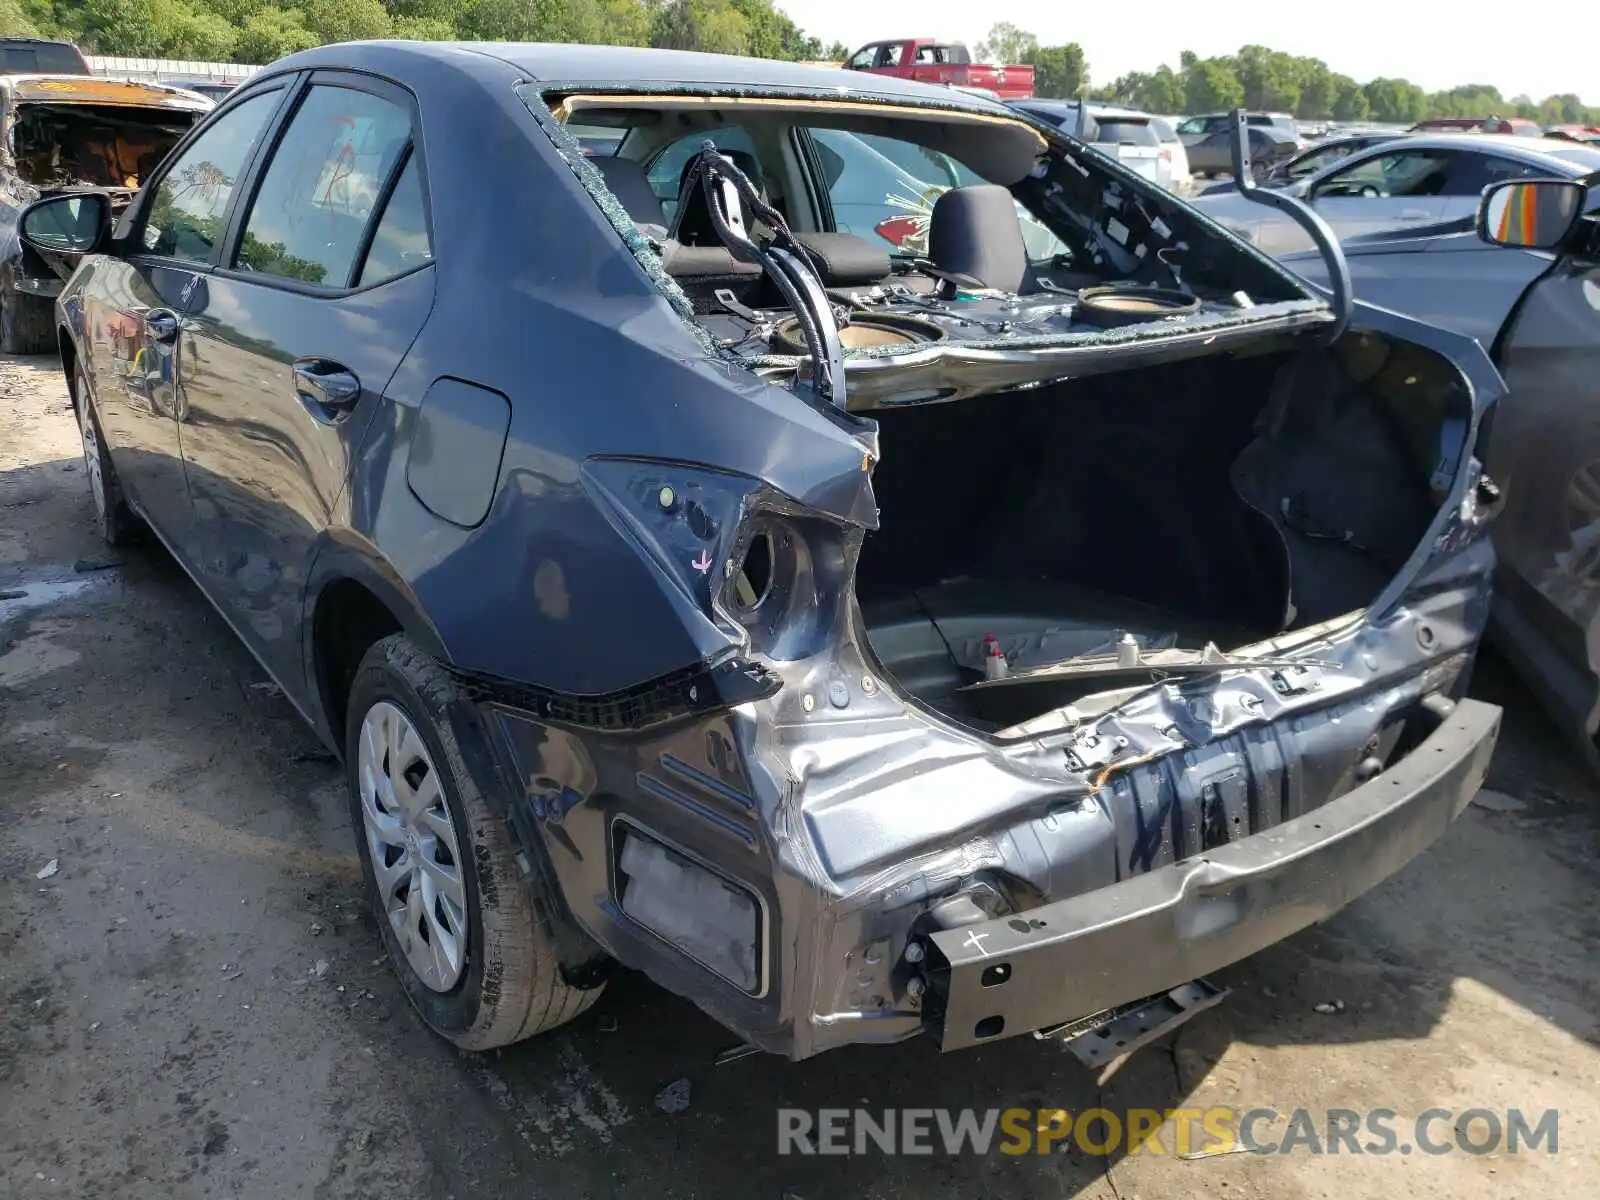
(583, 67)
(1540, 152)
(96, 89)
(1529, 149)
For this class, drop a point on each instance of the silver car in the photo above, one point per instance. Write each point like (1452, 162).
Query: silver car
(1421, 186)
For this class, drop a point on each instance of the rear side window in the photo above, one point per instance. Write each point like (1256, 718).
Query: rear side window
(323, 182)
(185, 219)
(400, 242)
(1127, 133)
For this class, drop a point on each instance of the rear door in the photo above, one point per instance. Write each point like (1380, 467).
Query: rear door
(135, 335)
(326, 282)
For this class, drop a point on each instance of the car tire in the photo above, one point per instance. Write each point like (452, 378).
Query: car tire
(114, 520)
(27, 323)
(417, 811)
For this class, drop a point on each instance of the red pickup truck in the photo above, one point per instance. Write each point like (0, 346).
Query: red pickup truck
(929, 60)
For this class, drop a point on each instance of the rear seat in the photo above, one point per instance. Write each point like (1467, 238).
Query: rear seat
(842, 259)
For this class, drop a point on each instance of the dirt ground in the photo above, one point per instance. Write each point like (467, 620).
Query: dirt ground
(194, 1003)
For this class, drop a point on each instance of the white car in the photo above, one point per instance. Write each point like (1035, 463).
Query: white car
(1172, 146)
(1125, 134)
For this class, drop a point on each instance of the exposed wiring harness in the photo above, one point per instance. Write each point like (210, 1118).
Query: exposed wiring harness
(784, 259)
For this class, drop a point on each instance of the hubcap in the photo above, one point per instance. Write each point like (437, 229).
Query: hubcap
(91, 451)
(412, 842)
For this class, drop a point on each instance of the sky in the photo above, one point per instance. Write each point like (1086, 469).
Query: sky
(1435, 43)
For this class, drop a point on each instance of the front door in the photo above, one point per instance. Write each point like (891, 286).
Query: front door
(134, 332)
(1375, 193)
(294, 337)
(1545, 445)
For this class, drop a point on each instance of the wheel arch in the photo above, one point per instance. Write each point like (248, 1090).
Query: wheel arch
(354, 598)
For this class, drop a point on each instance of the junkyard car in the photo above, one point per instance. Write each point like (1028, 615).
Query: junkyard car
(65, 133)
(862, 645)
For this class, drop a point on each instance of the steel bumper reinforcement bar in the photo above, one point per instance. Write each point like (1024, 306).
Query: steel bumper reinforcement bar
(1151, 933)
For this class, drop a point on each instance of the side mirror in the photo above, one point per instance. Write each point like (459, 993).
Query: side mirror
(1530, 214)
(75, 224)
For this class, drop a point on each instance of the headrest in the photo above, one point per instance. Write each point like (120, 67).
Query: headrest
(844, 260)
(974, 231)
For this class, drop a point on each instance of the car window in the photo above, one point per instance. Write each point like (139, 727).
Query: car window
(321, 186)
(598, 141)
(1405, 173)
(889, 56)
(883, 189)
(185, 218)
(1316, 160)
(864, 57)
(666, 170)
(1587, 157)
(1126, 133)
(1164, 130)
(1471, 173)
(400, 241)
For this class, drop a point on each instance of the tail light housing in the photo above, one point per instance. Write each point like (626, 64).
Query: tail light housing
(748, 567)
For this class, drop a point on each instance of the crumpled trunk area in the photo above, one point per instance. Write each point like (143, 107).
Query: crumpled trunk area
(1217, 500)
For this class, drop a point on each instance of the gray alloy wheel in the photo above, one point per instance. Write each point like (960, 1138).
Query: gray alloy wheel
(113, 520)
(416, 855)
(443, 871)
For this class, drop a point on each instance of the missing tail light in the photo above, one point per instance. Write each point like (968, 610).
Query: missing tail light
(685, 902)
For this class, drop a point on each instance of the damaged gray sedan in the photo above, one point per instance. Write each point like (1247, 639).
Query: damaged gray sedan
(973, 623)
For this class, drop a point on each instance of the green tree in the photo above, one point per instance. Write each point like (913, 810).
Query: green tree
(1006, 44)
(190, 31)
(424, 29)
(1123, 88)
(1059, 71)
(1162, 92)
(1319, 89)
(1209, 84)
(1469, 100)
(1565, 109)
(1396, 101)
(715, 26)
(1351, 102)
(1270, 78)
(347, 20)
(14, 20)
(1524, 107)
(272, 33)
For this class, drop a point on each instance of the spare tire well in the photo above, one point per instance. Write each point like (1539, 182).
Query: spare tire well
(349, 619)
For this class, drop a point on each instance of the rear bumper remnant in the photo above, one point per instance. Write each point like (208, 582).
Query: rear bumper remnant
(1155, 931)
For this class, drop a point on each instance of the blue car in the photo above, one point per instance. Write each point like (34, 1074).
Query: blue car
(865, 644)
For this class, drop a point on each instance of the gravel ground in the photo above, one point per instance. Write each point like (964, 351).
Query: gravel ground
(193, 1004)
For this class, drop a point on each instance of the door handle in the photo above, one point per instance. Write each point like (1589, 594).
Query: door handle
(327, 388)
(1413, 214)
(163, 326)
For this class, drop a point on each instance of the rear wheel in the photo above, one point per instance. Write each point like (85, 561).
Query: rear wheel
(114, 521)
(27, 323)
(473, 953)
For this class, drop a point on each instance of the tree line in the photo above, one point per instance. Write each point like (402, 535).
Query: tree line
(258, 31)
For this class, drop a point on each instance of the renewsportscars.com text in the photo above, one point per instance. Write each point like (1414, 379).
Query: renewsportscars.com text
(1182, 1131)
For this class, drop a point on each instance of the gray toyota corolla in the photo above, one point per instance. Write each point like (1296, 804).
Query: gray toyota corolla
(838, 546)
